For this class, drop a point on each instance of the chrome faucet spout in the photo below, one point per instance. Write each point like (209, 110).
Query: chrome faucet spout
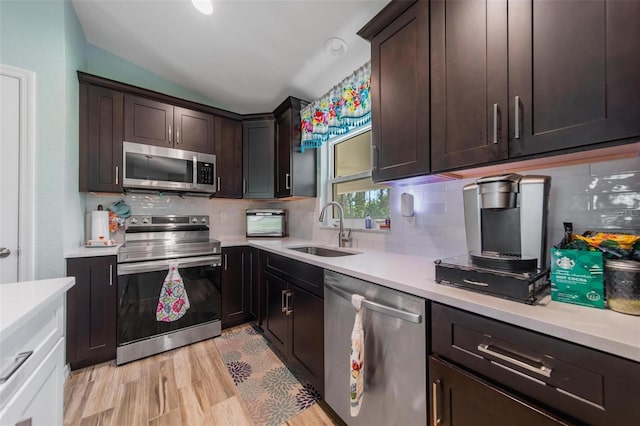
(342, 238)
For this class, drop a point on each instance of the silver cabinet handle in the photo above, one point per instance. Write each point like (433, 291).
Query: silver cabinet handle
(117, 173)
(17, 363)
(177, 135)
(4, 252)
(383, 309)
(244, 186)
(218, 183)
(542, 370)
(110, 275)
(478, 283)
(225, 262)
(284, 295)
(434, 403)
(170, 136)
(287, 181)
(374, 157)
(516, 118)
(289, 310)
(495, 123)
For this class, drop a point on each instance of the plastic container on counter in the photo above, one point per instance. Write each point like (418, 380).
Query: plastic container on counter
(622, 285)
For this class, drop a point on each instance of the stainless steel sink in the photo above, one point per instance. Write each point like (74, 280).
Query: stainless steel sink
(323, 251)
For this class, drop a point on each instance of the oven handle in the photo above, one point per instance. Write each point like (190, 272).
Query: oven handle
(163, 265)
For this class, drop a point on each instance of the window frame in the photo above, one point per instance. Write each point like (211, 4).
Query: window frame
(357, 224)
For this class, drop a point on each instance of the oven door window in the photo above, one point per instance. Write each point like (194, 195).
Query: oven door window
(138, 296)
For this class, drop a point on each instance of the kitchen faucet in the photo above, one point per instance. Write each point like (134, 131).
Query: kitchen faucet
(343, 239)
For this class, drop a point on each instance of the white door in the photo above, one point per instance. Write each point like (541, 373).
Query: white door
(16, 183)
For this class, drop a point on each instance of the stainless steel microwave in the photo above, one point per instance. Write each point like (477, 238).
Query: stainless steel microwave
(266, 223)
(157, 168)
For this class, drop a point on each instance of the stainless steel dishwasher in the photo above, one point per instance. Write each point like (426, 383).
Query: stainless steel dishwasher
(395, 363)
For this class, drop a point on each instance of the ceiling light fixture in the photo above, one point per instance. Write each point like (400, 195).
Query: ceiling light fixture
(203, 6)
(335, 46)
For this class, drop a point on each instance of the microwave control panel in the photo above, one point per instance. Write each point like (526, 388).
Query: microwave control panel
(205, 173)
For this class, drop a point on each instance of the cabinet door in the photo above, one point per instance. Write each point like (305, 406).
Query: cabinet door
(468, 83)
(236, 286)
(91, 311)
(194, 130)
(258, 152)
(400, 96)
(283, 154)
(458, 398)
(148, 122)
(307, 329)
(228, 150)
(100, 139)
(276, 321)
(575, 68)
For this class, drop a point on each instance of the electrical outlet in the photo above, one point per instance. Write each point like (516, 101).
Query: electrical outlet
(223, 216)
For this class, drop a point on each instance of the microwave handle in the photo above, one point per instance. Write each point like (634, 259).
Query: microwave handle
(195, 171)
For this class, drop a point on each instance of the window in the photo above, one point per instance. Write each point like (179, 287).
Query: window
(349, 180)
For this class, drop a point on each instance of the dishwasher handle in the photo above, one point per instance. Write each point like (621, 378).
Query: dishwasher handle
(378, 307)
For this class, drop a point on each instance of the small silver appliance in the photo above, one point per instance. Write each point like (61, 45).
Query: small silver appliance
(506, 231)
(266, 223)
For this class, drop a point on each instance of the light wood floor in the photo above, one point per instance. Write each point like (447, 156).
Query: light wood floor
(185, 386)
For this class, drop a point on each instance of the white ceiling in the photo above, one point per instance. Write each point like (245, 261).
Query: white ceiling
(247, 57)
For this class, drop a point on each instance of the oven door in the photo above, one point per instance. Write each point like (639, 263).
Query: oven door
(140, 334)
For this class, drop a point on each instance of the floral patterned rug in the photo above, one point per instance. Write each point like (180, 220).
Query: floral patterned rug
(272, 392)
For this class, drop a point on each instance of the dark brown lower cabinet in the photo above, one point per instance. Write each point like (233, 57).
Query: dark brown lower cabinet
(236, 278)
(294, 316)
(461, 399)
(91, 311)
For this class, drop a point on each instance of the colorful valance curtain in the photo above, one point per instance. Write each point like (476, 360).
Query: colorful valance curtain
(346, 106)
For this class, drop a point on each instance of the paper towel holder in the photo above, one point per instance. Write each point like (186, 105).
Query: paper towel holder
(406, 204)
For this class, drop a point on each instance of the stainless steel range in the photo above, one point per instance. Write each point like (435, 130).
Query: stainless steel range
(154, 244)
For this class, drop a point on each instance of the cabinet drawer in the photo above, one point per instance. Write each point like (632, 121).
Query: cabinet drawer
(585, 384)
(24, 349)
(308, 277)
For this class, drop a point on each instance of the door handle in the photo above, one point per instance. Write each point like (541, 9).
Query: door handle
(495, 123)
(244, 186)
(225, 262)
(374, 157)
(218, 183)
(177, 135)
(287, 181)
(541, 369)
(4, 252)
(289, 310)
(516, 118)
(170, 137)
(435, 403)
(284, 295)
(17, 363)
(110, 275)
(117, 173)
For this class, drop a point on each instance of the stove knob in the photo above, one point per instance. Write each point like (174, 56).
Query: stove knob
(145, 220)
(194, 220)
(134, 221)
(203, 220)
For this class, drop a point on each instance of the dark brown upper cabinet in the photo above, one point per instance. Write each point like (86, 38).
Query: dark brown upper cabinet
(228, 151)
(295, 170)
(517, 78)
(574, 74)
(258, 163)
(100, 139)
(469, 89)
(399, 37)
(151, 122)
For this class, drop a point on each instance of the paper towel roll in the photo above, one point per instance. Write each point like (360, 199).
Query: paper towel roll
(99, 225)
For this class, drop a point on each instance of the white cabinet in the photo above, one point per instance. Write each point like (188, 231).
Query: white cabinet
(32, 352)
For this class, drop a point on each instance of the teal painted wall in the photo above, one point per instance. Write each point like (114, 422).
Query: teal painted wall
(105, 64)
(33, 36)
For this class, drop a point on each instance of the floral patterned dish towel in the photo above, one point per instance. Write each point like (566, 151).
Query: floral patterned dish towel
(173, 302)
(356, 359)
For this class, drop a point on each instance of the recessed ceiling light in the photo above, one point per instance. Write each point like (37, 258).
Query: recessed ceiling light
(203, 6)
(335, 46)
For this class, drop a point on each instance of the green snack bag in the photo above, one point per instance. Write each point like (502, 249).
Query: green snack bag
(576, 277)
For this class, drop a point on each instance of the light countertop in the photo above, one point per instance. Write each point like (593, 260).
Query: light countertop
(91, 251)
(601, 329)
(20, 301)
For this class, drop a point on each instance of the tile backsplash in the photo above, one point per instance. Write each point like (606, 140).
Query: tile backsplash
(599, 196)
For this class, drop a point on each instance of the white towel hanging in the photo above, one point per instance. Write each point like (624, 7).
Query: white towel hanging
(356, 359)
